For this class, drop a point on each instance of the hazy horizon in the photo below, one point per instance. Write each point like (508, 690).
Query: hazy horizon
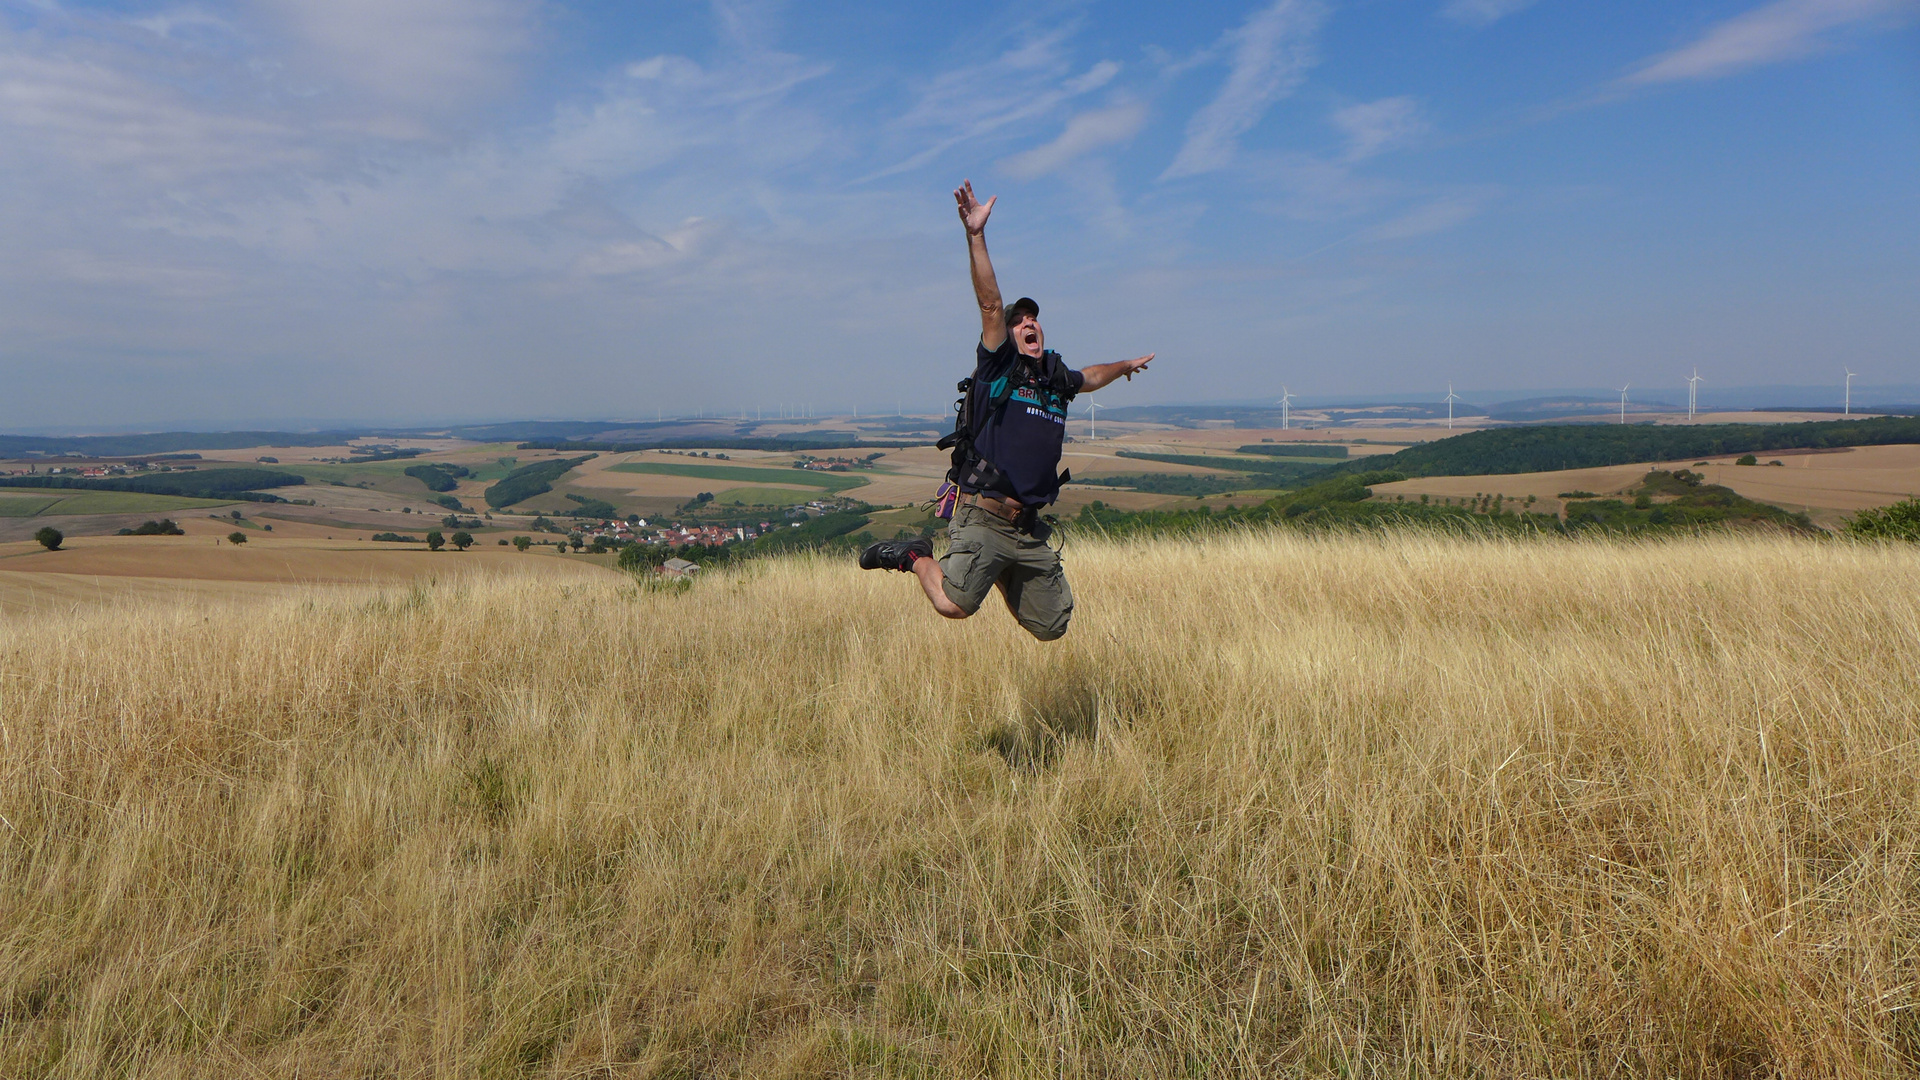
(1734, 399)
(242, 213)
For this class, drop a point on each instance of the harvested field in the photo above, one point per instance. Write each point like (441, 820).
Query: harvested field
(1400, 805)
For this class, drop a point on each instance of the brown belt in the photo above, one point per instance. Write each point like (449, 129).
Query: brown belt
(1007, 510)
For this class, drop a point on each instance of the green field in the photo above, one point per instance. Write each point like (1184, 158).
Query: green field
(128, 502)
(488, 472)
(100, 502)
(746, 474)
(22, 506)
(372, 471)
(765, 496)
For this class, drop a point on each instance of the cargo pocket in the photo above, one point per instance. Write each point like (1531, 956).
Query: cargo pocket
(1047, 605)
(965, 568)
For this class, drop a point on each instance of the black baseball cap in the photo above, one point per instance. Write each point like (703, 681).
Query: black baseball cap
(1022, 306)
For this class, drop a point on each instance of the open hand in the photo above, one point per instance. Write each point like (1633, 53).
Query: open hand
(973, 212)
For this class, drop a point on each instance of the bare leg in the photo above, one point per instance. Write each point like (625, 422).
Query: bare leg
(931, 575)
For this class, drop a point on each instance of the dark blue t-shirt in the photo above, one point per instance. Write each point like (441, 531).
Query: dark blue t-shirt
(1023, 440)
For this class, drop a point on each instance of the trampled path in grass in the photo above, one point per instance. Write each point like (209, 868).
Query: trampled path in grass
(1279, 804)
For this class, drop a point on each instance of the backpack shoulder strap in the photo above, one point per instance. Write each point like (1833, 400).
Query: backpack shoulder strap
(1057, 374)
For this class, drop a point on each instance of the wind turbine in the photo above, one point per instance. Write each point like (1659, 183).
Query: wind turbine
(1286, 399)
(1849, 405)
(1093, 419)
(1693, 389)
(1451, 398)
(1623, 403)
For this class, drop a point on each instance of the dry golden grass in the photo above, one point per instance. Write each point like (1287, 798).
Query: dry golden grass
(1392, 806)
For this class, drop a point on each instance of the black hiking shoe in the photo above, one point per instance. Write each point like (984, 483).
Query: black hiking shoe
(895, 554)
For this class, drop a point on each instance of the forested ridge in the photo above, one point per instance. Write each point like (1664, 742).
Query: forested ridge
(530, 480)
(1553, 447)
(237, 483)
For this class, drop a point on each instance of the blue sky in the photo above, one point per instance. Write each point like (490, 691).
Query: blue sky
(408, 210)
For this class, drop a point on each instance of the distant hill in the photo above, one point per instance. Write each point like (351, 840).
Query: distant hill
(163, 442)
(1552, 447)
(1535, 410)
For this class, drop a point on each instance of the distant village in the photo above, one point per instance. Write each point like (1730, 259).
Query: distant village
(118, 468)
(636, 530)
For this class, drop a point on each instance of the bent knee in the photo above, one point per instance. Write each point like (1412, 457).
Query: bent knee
(1051, 630)
(953, 602)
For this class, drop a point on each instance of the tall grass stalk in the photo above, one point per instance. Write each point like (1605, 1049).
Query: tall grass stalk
(1403, 805)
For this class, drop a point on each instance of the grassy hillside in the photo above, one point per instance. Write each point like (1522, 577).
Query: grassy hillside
(1277, 805)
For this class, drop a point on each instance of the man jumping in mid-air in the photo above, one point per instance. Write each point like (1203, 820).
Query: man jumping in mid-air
(1006, 450)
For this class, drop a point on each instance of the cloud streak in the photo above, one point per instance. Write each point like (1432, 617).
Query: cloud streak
(1014, 92)
(1438, 215)
(1272, 52)
(1782, 30)
(1085, 133)
(1375, 127)
(1482, 12)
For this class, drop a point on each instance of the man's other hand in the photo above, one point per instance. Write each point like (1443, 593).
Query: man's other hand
(973, 212)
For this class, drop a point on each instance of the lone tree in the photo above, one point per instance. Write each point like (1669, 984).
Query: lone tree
(50, 538)
(463, 540)
(435, 541)
(236, 537)
(522, 543)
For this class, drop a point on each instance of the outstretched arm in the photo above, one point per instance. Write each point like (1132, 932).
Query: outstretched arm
(1100, 375)
(986, 290)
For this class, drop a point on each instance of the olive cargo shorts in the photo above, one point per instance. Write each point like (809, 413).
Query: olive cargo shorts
(984, 550)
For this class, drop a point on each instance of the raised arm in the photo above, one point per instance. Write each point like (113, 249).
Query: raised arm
(986, 290)
(1099, 375)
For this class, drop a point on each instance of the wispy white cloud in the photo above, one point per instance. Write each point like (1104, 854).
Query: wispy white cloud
(1375, 127)
(1482, 12)
(1016, 90)
(1438, 215)
(95, 114)
(1085, 133)
(166, 23)
(1271, 54)
(1781, 30)
(1096, 77)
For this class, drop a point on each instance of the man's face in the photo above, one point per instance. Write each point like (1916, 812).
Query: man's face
(1027, 336)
